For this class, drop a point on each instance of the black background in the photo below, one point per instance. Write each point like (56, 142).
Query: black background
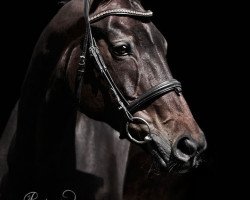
(200, 36)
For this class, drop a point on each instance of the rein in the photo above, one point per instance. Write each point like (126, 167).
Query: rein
(89, 45)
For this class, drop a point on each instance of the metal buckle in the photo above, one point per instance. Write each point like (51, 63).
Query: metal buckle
(146, 139)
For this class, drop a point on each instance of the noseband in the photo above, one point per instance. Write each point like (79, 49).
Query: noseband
(89, 46)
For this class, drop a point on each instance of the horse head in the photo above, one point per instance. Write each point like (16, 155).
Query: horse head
(146, 105)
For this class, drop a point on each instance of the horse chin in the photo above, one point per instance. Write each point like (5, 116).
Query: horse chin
(172, 165)
(182, 167)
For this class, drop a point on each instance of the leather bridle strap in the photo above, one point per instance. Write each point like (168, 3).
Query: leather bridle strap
(121, 100)
(84, 48)
(155, 93)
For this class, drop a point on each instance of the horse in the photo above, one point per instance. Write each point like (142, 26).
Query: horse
(98, 74)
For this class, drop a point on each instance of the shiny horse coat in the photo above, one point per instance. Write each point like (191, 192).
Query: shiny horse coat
(55, 148)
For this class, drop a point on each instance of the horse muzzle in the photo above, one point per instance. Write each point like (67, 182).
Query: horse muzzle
(181, 156)
(178, 155)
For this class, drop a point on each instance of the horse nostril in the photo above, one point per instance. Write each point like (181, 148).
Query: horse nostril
(186, 146)
(185, 149)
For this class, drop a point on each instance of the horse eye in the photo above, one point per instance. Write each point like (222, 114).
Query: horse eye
(121, 50)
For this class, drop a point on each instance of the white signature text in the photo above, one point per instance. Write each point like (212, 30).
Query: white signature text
(67, 194)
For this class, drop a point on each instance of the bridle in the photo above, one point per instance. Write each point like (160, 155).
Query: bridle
(89, 45)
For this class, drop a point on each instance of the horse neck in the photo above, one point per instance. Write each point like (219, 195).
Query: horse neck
(46, 121)
(46, 113)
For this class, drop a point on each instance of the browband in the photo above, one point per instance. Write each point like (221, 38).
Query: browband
(121, 12)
